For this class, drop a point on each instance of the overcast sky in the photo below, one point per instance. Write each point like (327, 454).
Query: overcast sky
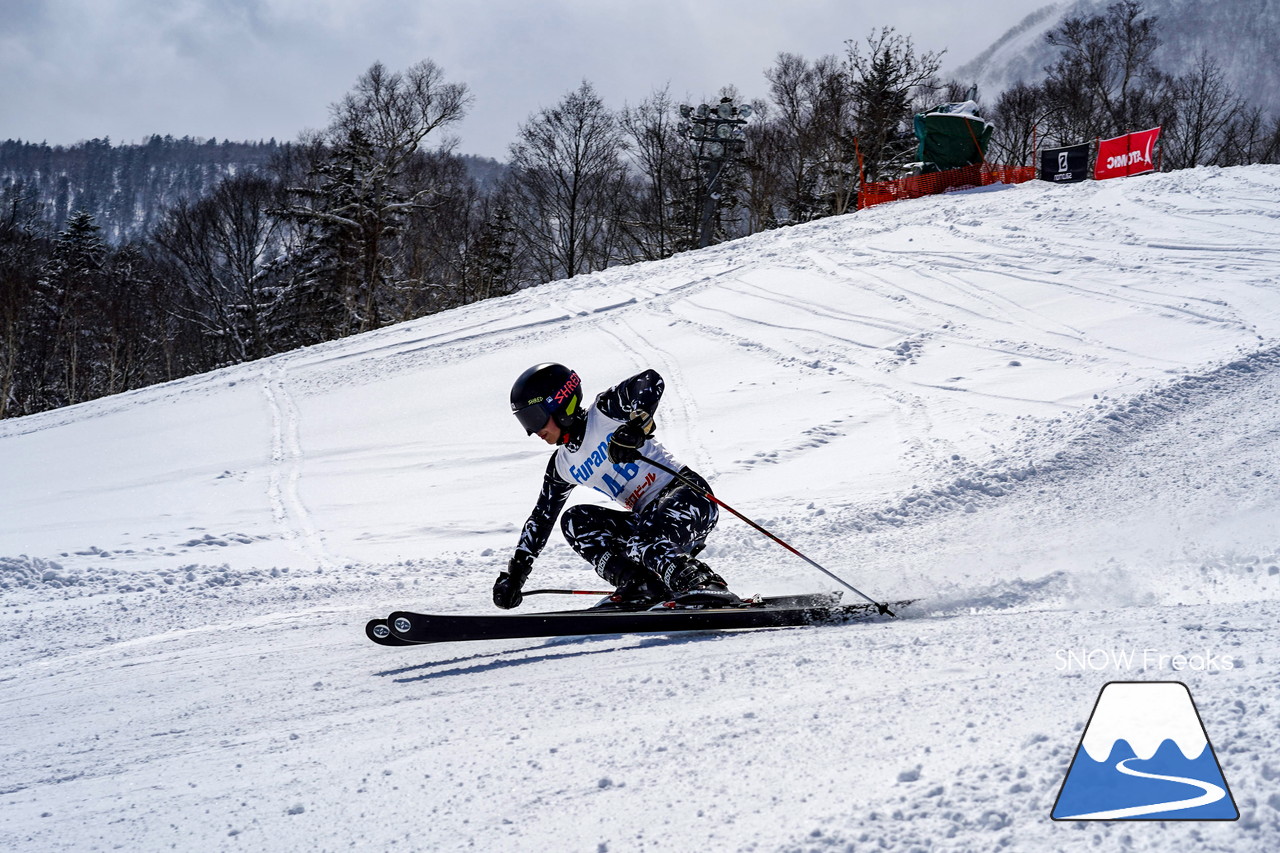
(255, 69)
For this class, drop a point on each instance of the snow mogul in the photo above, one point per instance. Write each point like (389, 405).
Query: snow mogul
(645, 550)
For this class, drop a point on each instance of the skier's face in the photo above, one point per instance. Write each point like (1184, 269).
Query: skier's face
(550, 432)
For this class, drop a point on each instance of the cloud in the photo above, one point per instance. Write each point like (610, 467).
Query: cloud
(250, 69)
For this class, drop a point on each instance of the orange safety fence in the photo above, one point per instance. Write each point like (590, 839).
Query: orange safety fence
(935, 183)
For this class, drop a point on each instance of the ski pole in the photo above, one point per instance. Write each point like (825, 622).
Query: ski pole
(565, 592)
(882, 608)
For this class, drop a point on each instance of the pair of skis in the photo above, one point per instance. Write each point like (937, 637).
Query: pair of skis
(404, 628)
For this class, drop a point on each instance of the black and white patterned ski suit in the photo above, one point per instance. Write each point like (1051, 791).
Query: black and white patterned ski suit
(665, 520)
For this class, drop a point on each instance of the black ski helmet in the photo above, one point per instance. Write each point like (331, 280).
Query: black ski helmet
(544, 391)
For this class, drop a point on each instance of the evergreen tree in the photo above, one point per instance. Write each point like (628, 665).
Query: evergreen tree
(68, 292)
(882, 81)
(354, 209)
(22, 252)
(129, 330)
(491, 258)
(352, 212)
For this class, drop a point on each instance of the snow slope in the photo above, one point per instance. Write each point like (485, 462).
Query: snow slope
(1050, 412)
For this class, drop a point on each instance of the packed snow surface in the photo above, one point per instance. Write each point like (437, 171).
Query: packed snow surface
(1051, 413)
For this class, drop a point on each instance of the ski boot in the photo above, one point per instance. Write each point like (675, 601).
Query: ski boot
(694, 583)
(637, 587)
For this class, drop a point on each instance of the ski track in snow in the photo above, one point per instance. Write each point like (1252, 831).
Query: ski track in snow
(193, 673)
(287, 507)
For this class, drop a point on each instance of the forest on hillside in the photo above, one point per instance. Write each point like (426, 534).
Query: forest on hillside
(126, 265)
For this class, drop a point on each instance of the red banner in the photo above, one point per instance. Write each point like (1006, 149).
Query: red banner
(1131, 154)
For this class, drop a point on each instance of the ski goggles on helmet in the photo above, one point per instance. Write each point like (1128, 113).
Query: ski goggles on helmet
(533, 417)
(560, 403)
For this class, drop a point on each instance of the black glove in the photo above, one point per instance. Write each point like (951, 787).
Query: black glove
(506, 589)
(627, 439)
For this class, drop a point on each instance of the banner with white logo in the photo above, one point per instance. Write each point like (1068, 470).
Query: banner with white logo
(1065, 165)
(1131, 154)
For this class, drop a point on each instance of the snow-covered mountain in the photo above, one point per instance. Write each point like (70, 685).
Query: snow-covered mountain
(1049, 412)
(1144, 716)
(1243, 36)
(1019, 55)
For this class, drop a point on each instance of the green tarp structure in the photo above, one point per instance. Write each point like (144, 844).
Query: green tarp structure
(951, 136)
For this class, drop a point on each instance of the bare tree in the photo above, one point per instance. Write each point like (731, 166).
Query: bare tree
(129, 330)
(791, 84)
(813, 150)
(567, 180)
(1104, 82)
(1205, 107)
(767, 149)
(397, 111)
(1018, 117)
(1250, 138)
(437, 237)
(663, 165)
(223, 245)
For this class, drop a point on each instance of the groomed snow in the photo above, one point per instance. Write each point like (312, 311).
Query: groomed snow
(1052, 413)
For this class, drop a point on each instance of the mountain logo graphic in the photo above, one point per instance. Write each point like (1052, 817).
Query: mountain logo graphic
(1145, 755)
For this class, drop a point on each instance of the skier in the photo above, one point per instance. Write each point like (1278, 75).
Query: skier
(646, 551)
